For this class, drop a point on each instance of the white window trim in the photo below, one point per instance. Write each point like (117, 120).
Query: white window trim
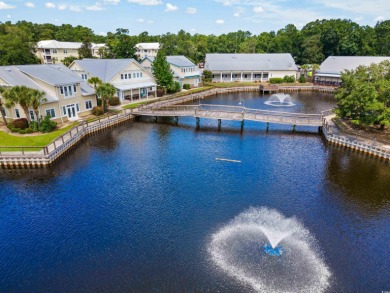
(17, 113)
(49, 109)
(86, 107)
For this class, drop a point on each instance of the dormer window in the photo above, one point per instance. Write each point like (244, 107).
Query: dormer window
(68, 90)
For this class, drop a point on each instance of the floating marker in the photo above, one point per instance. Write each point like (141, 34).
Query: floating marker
(227, 160)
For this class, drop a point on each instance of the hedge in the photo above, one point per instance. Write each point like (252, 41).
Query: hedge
(274, 80)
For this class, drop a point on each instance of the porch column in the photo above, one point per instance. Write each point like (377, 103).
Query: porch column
(261, 78)
(147, 93)
(131, 94)
(241, 76)
(251, 75)
(139, 93)
(231, 76)
(221, 77)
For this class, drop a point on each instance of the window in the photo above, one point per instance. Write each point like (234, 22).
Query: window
(17, 113)
(84, 76)
(137, 74)
(54, 51)
(31, 115)
(74, 88)
(65, 51)
(3, 112)
(67, 90)
(122, 76)
(140, 74)
(77, 107)
(64, 110)
(125, 75)
(134, 75)
(51, 112)
(265, 75)
(88, 104)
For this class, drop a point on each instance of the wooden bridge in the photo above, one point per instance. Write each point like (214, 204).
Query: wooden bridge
(223, 112)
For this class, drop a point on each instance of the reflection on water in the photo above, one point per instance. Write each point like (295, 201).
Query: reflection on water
(134, 207)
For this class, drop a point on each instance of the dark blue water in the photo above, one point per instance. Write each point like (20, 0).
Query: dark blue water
(133, 208)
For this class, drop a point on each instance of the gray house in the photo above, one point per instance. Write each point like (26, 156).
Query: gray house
(331, 69)
(250, 67)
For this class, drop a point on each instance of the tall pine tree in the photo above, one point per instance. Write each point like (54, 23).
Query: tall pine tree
(162, 70)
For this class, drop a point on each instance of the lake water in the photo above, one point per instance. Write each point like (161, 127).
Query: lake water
(135, 208)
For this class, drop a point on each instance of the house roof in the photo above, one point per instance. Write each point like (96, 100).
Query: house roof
(148, 46)
(179, 61)
(338, 64)
(250, 62)
(53, 44)
(55, 75)
(105, 69)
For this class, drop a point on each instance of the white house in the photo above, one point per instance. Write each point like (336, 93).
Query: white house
(331, 69)
(249, 67)
(53, 52)
(146, 49)
(131, 80)
(67, 95)
(184, 70)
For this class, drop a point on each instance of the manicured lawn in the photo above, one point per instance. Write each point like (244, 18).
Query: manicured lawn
(9, 140)
(135, 105)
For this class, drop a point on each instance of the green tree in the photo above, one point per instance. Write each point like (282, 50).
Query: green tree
(69, 60)
(162, 70)
(364, 96)
(207, 76)
(105, 91)
(85, 51)
(2, 106)
(95, 81)
(36, 99)
(18, 95)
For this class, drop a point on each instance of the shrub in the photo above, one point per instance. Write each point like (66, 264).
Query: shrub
(186, 86)
(21, 123)
(34, 126)
(99, 102)
(114, 101)
(160, 92)
(207, 76)
(288, 78)
(274, 80)
(21, 131)
(97, 111)
(13, 129)
(28, 130)
(47, 125)
(302, 79)
(174, 87)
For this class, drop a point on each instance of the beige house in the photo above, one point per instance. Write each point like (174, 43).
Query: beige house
(184, 70)
(53, 52)
(68, 96)
(250, 67)
(146, 49)
(130, 79)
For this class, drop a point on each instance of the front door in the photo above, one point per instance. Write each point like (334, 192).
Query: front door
(71, 109)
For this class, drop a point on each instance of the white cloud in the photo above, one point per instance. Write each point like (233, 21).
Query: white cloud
(191, 10)
(236, 14)
(146, 2)
(238, 11)
(258, 9)
(8, 16)
(140, 20)
(370, 7)
(193, 30)
(115, 2)
(219, 21)
(102, 33)
(95, 7)
(50, 5)
(228, 2)
(4, 5)
(150, 21)
(379, 18)
(169, 7)
(29, 4)
(62, 6)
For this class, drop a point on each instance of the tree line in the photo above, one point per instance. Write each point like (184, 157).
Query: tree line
(310, 45)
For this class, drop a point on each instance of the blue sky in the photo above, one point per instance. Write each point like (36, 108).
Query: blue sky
(194, 16)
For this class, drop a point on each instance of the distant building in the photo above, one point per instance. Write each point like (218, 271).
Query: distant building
(184, 70)
(146, 49)
(67, 95)
(54, 52)
(131, 80)
(249, 67)
(331, 69)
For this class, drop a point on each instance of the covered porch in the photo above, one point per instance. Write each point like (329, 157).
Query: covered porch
(136, 91)
(240, 76)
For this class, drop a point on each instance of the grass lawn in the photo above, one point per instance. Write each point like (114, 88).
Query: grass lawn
(233, 84)
(8, 140)
(135, 105)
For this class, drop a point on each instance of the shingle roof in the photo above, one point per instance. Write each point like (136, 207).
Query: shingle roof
(148, 46)
(338, 64)
(179, 60)
(105, 69)
(49, 73)
(53, 44)
(250, 62)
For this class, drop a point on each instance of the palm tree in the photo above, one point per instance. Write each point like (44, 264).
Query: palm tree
(314, 68)
(105, 91)
(19, 94)
(1, 106)
(95, 81)
(305, 68)
(37, 97)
